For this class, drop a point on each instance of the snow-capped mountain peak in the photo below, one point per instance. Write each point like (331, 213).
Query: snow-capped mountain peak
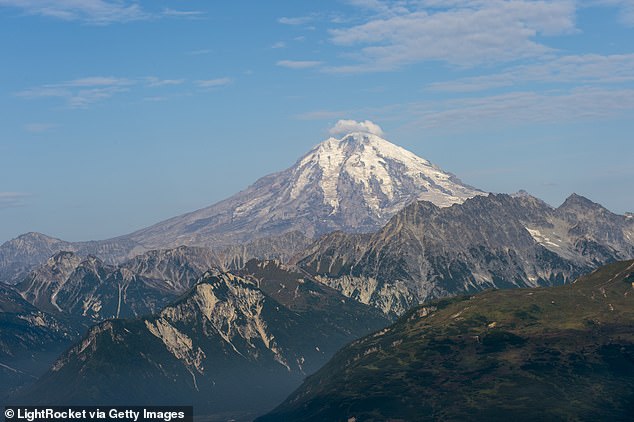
(383, 172)
(353, 183)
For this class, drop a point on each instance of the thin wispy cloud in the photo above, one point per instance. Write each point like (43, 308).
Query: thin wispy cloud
(577, 69)
(214, 83)
(96, 12)
(153, 81)
(183, 13)
(513, 108)
(391, 34)
(100, 12)
(298, 64)
(459, 32)
(39, 127)
(86, 97)
(300, 20)
(198, 52)
(97, 81)
(279, 44)
(155, 99)
(524, 107)
(44, 92)
(79, 93)
(627, 12)
(84, 92)
(12, 199)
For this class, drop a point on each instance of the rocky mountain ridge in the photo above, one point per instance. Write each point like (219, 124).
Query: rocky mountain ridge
(426, 252)
(231, 343)
(87, 290)
(21, 255)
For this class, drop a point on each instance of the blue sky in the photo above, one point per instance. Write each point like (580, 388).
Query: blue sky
(116, 114)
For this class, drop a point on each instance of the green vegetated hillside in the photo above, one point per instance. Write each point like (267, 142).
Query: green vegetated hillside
(563, 353)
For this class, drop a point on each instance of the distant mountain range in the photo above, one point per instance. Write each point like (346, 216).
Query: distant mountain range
(404, 232)
(26, 252)
(493, 241)
(233, 342)
(556, 354)
(56, 303)
(398, 230)
(355, 184)
(87, 290)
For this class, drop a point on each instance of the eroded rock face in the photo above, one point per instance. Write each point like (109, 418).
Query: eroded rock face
(496, 241)
(87, 290)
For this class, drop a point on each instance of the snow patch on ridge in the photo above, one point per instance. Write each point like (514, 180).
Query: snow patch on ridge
(541, 238)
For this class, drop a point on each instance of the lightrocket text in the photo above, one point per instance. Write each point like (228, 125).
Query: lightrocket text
(98, 414)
